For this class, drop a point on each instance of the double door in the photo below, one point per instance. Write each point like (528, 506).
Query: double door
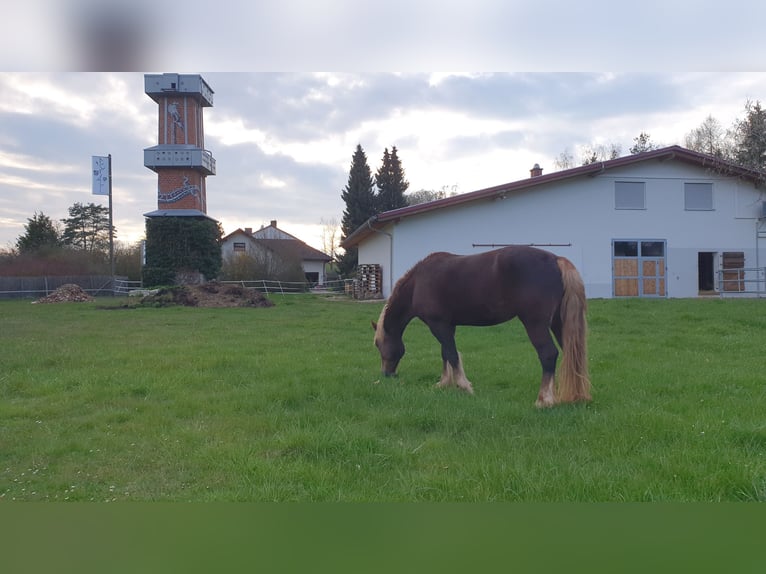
(639, 268)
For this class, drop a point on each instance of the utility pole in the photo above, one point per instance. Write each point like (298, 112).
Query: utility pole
(111, 227)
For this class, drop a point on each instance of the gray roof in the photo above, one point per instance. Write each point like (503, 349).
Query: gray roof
(178, 213)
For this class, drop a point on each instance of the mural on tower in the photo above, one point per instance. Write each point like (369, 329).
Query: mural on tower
(180, 159)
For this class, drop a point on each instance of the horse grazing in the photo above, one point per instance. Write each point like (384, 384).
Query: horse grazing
(445, 290)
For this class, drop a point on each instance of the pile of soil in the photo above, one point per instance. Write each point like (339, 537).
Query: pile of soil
(68, 293)
(211, 294)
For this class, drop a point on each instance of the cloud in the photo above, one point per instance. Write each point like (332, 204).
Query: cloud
(283, 142)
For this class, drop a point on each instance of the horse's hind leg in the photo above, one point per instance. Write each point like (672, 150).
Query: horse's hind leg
(540, 336)
(452, 370)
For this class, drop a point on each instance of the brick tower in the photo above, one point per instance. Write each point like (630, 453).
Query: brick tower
(180, 159)
(182, 241)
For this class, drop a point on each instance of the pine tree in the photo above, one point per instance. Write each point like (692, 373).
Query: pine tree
(40, 233)
(359, 195)
(750, 137)
(643, 142)
(391, 183)
(87, 227)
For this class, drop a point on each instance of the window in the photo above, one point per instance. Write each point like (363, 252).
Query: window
(698, 196)
(239, 247)
(626, 248)
(652, 249)
(629, 195)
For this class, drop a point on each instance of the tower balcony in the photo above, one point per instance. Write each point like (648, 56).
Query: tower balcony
(159, 86)
(163, 156)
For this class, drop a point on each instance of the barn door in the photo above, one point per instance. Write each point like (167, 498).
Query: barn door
(638, 268)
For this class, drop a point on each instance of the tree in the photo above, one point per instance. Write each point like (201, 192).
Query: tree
(426, 195)
(391, 183)
(330, 236)
(565, 160)
(643, 142)
(180, 249)
(590, 153)
(264, 264)
(87, 227)
(127, 260)
(709, 138)
(749, 135)
(600, 152)
(359, 196)
(40, 233)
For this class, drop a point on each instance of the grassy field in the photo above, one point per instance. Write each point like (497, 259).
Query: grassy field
(99, 403)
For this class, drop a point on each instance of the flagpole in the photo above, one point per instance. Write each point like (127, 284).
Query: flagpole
(111, 227)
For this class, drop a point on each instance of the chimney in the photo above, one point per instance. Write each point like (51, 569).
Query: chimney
(273, 222)
(536, 171)
(249, 230)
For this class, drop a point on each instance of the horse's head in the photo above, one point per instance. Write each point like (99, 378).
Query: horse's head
(391, 346)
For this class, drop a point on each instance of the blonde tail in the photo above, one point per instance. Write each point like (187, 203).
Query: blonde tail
(574, 382)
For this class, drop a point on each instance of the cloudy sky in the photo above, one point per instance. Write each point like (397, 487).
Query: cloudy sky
(283, 141)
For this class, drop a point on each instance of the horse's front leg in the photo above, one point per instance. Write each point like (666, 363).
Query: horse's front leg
(452, 369)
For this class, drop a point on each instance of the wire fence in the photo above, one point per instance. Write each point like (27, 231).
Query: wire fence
(36, 287)
(104, 285)
(341, 286)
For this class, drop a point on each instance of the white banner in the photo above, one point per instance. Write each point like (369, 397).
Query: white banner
(100, 175)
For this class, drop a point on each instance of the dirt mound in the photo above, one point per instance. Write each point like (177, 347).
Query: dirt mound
(69, 293)
(211, 294)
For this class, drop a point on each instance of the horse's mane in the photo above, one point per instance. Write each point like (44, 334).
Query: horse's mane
(405, 280)
(401, 294)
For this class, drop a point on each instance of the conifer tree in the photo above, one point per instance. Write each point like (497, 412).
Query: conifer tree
(359, 196)
(87, 227)
(391, 183)
(39, 233)
(750, 137)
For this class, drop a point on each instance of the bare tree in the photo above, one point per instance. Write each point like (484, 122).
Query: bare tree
(709, 137)
(565, 160)
(593, 153)
(330, 235)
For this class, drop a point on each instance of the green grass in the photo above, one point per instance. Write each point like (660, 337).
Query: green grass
(280, 404)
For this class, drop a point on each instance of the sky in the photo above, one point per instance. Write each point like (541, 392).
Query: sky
(283, 142)
(283, 136)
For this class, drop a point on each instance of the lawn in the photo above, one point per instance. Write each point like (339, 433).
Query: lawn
(102, 403)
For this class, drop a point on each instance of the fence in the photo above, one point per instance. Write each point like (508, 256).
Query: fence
(742, 281)
(36, 287)
(124, 287)
(288, 287)
(103, 285)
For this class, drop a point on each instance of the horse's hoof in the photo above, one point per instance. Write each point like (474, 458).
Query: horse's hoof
(543, 404)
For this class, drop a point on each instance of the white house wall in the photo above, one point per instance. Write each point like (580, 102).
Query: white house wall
(314, 267)
(577, 218)
(377, 249)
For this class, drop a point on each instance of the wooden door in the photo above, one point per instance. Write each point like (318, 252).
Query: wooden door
(638, 268)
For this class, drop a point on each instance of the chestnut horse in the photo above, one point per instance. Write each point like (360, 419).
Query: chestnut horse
(543, 290)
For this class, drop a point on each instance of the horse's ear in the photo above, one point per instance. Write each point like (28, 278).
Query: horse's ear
(374, 326)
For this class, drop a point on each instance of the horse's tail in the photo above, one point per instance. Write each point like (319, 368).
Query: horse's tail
(574, 383)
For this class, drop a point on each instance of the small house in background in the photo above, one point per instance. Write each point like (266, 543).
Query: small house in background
(275, 250)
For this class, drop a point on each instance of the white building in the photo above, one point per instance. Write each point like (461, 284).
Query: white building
(281, 244)
(663, 223)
